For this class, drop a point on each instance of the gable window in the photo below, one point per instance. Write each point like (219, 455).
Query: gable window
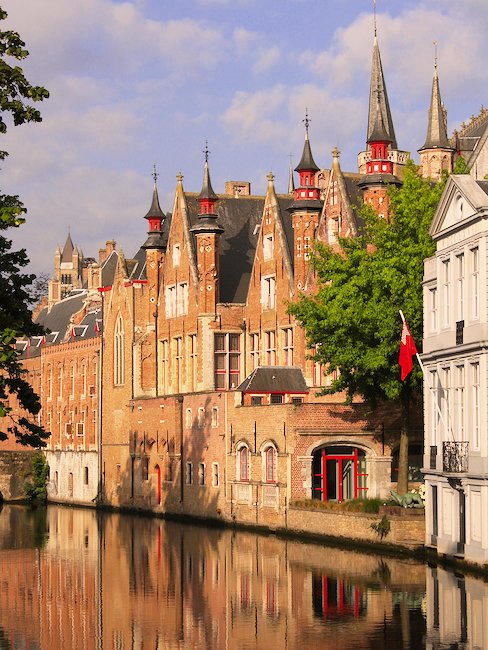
(268, 246)
(119, 352)
(288, 346)
(227, 360)
(176, 255)
(254, 351)
(268, 292)
(270, 348)
(182, 299)
(170, 302)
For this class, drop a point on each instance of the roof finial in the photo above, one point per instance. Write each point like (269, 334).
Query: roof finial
(306, 121)
(374, 16)
(435, 54)
(155, 174)
(206, 151)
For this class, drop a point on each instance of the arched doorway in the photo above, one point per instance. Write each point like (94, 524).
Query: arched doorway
(339, 473)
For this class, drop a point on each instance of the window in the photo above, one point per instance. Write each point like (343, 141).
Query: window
(460, 285)
(276, 399)
(164, 366)
(256, 400)
(192, 354)
(85, 475)
(72, 380)
(268, 246)
(145, 469)
(254, 351)
(215, 475)
(268, 292)
(446, 399)
(288, 346)
(270, 465)
(475, 279)
(243, 463)
(189, 473)
(80, 429)
(201, 416)
(83, 378)
(227, 360)
(60, 381)
(188, 419)
(270, 348)
(68, 429)
(170, 302)
(176, 255)
(182, 299)
(475, 404)
(435, 395)
(201, 473)
(119, 352)
(460, 403)
(178, 357)
(433, 309)
(215, 417)
(446, 270)
(49, 382)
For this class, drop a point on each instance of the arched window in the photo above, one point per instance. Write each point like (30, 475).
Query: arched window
(119, 352)
(269, 464)
(243, 463)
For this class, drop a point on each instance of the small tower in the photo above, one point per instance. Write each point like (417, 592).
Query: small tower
(207, 234)
(305, 211)
(68, 272)
(436, 155)
(155, 247)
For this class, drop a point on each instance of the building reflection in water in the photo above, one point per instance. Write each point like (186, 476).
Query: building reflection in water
(80, 579)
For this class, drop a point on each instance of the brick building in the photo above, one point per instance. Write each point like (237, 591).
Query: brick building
(161, 410)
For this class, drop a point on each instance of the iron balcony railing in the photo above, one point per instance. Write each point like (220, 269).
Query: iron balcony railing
(455, 457)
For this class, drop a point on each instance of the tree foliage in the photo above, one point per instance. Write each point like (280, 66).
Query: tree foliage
(460, 166)
(16, 95)
(353, 319)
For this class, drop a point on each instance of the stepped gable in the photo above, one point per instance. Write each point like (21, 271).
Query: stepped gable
(240, 219)
(465, 140)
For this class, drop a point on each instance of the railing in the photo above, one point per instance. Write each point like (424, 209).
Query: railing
(455, 457)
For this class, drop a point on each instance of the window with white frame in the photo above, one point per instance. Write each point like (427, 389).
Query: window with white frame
(268, 292)
(270, 464)
(270, 338)
(188, 421)
(192, 358)
(254, 351)
(243, 463)
(178, 357)
(460, 406)
(119, 351)
(446, 400)
(446, 287)
(227, 356)
(460, 286)
(434, 400)
(215, 417)
(215, 475)
(288, 346)
(182, 299)
(475, 283)
(201, 473)
(433, 309)
(475, 405)
(268, 246)
(170, 294)
(176, 255)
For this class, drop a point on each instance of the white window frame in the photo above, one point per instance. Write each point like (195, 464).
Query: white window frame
(268, 292)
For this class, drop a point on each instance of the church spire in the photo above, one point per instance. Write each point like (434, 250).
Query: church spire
(436, 129)
(378, 98)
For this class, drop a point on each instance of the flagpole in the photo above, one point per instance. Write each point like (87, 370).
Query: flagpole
(426, 379)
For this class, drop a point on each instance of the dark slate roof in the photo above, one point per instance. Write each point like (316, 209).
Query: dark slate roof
(378, 179)
(239, 217)
(207, 191)
(67, 254)
(139, 271)
(58, 318)
(379, 96)
(483, 185)
(155, 209)
(274, 379)
(108, 269)
(307, 163)
(436, 129)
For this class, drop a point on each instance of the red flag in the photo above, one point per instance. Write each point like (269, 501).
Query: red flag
(407, 351)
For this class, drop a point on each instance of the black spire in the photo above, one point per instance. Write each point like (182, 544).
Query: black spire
(155, 209)
(378, 99)
(155, 216)
(307, 163)
(207, 190)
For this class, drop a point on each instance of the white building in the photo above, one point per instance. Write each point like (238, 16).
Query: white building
(455, 354)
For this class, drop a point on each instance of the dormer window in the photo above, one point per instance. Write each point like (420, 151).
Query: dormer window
(176, 255)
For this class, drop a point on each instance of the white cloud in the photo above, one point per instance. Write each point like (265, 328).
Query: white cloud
(267, 59)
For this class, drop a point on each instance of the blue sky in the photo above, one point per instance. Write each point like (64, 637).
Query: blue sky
(143, 82)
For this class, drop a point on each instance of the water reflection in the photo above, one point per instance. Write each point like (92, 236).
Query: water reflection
(80, 579)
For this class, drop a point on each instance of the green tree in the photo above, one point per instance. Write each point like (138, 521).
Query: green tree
(460, 166)
(35, 487)
(353, 320)
(16, 97)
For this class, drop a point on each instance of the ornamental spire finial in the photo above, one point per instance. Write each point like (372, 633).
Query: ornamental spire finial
(374, 16)
(306, 121)
(435, 54)
(155, 174)
(206, 151)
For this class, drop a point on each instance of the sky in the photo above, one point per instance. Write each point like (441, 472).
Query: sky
(138, 83)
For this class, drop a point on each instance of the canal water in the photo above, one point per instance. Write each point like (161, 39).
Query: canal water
(74, 578)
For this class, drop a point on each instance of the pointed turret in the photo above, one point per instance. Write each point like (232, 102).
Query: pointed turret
(155, 217)
(67, 254)
(291, 180)
(378, 99)
(207, 219)
(436, 155)
(307, 195)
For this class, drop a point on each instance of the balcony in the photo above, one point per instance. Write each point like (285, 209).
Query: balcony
(455, 457)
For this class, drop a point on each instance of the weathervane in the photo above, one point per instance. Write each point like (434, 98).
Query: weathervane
(374, 16)
(306, 121)
(435, 54)
(154, 174)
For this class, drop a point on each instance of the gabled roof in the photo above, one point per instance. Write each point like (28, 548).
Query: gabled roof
(462, 200)
(274, 379)
(108, 269)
